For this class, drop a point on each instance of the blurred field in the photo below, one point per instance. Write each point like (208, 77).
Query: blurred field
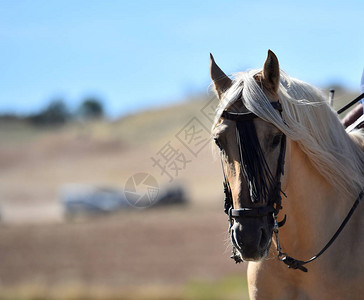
(160, 253)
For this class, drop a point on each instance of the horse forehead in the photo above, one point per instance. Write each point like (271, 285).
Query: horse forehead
(264, 128)
(264, 131)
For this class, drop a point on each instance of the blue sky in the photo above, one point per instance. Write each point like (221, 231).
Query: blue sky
(141, 54)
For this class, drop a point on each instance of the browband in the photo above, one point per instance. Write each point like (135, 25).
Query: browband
(248, 115)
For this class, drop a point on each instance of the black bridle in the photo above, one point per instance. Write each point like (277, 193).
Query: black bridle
(274, 203)
(273, 206)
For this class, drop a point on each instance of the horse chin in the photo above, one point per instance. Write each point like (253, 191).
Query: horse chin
(258, 256)
(255, 255)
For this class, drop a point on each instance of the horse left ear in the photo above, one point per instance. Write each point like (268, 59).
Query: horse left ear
(219, 78)
(271, 74)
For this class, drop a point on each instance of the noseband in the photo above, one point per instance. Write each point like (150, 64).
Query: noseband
(274, 195)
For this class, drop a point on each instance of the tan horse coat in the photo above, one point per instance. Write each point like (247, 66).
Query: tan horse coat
(337, 274)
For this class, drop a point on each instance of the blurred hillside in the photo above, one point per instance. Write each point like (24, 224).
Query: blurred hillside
(37, 161)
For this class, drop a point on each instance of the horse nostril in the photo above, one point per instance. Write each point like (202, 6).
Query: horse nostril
(263, 239)
(234, 239)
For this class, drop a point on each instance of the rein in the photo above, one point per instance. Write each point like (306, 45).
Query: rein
(274, 206)
(298, 264)
(350, 104)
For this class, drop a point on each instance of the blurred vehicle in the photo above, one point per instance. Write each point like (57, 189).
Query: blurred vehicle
(171, 196)
(86, 200)
(79, 200)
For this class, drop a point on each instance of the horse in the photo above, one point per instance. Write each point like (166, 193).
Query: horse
(284, 152)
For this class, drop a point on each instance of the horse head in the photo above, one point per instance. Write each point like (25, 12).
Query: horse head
(252, 152)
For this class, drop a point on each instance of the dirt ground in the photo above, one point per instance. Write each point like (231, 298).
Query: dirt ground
(165, 246)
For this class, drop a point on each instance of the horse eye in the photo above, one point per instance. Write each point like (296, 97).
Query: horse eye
(276, 141)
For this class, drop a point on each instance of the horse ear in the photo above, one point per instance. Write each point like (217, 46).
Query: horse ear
(220, 80)
(271, 74)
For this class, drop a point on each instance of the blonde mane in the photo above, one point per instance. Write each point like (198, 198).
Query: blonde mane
(309, 120)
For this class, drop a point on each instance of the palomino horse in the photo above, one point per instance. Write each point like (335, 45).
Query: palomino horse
(283, 149)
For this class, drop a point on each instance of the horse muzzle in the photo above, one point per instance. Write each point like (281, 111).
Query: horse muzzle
(252, 237)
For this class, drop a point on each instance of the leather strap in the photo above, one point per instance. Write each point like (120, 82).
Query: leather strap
(347, 106)
(252, 212)
(241, 117)
(298, 264)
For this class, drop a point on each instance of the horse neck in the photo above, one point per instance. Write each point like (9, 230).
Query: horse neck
(312, 206)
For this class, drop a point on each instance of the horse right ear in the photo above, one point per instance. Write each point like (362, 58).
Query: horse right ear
(220, 80)
(271, 75)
